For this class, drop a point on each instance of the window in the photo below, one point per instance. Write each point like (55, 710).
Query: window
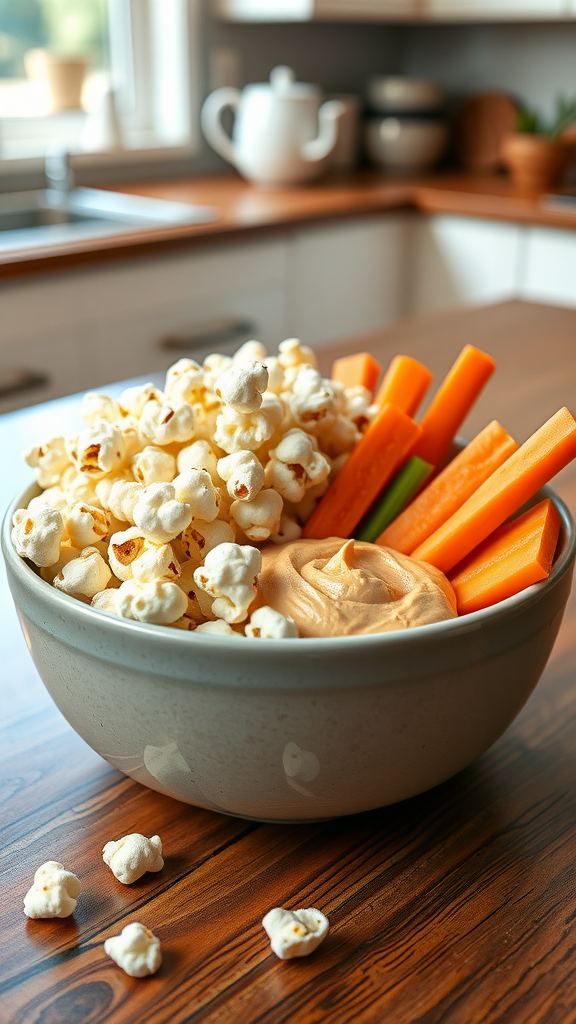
(96, 76)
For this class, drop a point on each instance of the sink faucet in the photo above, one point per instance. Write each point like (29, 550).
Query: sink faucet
(59, 174)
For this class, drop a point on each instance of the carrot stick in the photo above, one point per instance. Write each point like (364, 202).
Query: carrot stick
(374, 461)
(360, 368)
(405, 383)
(450, 489)
(452, 403)
(543, 455)
(512, 558)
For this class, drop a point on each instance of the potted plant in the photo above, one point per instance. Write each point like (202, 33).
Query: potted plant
(537, 155)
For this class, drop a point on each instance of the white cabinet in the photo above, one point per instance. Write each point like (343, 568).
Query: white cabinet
(460, 261)
(497, 10)
(549, 266)
(347, 278)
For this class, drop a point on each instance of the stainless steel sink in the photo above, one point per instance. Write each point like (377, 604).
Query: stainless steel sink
(48, 217)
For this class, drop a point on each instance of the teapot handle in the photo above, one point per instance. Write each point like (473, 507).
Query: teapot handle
(212, 125)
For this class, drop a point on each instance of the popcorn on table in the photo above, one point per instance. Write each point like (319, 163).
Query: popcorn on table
(153, 511)
(295, 933)
(131, 857)
(136, 950)
(54, 892)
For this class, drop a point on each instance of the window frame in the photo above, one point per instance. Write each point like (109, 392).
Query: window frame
(142, 39)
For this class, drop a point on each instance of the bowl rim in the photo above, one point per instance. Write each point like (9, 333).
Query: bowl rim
(511, 607)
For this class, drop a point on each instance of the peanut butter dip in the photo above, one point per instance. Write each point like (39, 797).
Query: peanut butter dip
(336, 587)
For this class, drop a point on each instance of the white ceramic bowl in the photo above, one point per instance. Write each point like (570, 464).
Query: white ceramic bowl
(404, 95)
(405, 145)
(289, 730)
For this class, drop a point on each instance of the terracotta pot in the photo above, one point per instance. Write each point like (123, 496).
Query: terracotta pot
(535, 162)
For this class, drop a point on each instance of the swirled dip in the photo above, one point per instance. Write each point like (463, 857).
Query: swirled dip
(336, 587)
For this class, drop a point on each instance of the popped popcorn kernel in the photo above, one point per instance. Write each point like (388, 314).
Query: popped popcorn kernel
(85, 575)
(86, 525)
(267, 623)
(217, 627)
(131, 857)
(295, 465)
(96, 406)
(292, 352)
(243, 474)
(259, 517)
(136, 950)
(37, 534)
(105, 601)
(132, 556)
(242, 386)
(163, 424)
(158, 602)
(159, 514)
(235, 431)
(133, 400)
(153, 465)
(49, 459)
(249, 352)
(97, 450)
(199, 538)
(295, 933)
(54, 892)
(229, 575)
(199, 455)
(185, 382)
(194, 487)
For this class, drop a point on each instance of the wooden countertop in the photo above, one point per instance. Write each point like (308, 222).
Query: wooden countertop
(247, 212)
(455, 907)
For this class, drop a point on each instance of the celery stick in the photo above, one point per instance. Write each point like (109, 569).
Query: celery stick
(394, 498)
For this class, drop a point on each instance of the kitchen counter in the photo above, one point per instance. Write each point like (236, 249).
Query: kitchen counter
(245, 212)
(455, 906)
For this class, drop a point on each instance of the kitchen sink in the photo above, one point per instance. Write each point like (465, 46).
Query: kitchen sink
(48, 217)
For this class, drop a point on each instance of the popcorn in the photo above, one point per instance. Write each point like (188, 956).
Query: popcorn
(250, 351)
(159, 514)
(97, 450)
(79, 486)
(133, 400)
(199, 604)
(288, 530)
(265, 622)
(163, 424)
(313, 401)
(99, 407)
(38, 533)
(213, 366)
(229, 575)
(136, 950)
(292, 353)
(194, 487)
(218, 628)
(235, 431)
(86, 524)
(131, 857)
(295, 465)
(132, 556)
(199, 538)
(261, 516)
(153, 465)
(158, 602)
(105, 601)
(198, 455)
(185, 382)
(67, 553)
(358, 407)
(243, 474)
(338, 436)
(242, 386)
(49, 459)
(296, 933)
(54, 892)
(122, 499)
(85, 575)
(275, 375)
(53, 496)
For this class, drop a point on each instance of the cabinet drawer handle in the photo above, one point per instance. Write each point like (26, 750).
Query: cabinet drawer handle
(215, 332)
(14, 382)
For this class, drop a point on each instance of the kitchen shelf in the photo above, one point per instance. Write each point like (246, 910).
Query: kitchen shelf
(395, 10)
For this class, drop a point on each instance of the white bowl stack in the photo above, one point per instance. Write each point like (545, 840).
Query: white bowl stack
(406, 131)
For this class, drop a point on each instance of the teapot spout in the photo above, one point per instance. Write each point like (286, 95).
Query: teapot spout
(329, 118)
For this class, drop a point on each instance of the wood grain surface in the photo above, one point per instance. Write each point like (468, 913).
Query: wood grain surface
(458, 906)
(245, 211)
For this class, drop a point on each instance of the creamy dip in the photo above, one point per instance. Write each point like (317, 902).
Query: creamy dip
(336, 587)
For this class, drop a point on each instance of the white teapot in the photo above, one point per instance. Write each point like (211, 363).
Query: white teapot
(282, 134)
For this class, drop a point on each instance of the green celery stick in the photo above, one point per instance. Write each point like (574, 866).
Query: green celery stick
(396, 496)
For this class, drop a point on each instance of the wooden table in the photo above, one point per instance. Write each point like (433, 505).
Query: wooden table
(458, 906)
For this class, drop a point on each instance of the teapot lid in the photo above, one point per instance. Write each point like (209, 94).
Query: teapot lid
(283, 83)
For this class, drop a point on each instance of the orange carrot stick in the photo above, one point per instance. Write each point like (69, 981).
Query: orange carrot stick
(405, 383)
(543, 455)
(371, 465)
(360, 368)
(450, 489)
(512, 558)
(452, 403)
